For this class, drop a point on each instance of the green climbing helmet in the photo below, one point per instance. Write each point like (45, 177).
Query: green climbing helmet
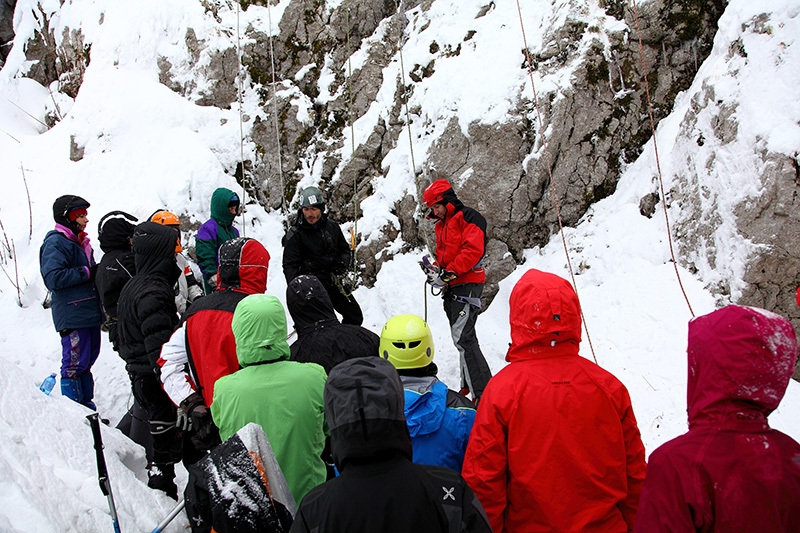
(312, 197)
(407, 342)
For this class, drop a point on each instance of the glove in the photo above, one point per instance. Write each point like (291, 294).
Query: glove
(447, 276)
(184, 421)
(93, 272)
(206, 434)
(213, 281)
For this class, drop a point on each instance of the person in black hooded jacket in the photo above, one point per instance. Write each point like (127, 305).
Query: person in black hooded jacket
(379, 488)
(321, 338)
(117, 267)
(147, 318)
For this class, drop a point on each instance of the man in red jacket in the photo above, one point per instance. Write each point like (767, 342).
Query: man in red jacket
(555, 445)
(731, 472)
(460, 245)
(203, 349)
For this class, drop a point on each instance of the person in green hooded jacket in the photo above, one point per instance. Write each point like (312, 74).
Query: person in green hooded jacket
(284, 397)
(225, 205)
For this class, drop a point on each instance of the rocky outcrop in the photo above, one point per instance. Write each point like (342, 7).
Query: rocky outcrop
(6, 27)
(310, 97)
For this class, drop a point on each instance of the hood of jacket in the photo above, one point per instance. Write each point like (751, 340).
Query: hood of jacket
(740, 361)
(220, 199)
(259, 328)
(115, 231)
(243, 266)
(364, 411)
(154, 250)
(308, 303)
(426, 402)
(545, 317)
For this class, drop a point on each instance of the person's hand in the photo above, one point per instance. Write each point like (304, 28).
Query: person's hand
(447, 276)
(213, 281)
(206, 434)
(184, 421)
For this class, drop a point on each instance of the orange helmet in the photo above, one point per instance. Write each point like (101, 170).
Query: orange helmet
(168, 218)
(165, 218)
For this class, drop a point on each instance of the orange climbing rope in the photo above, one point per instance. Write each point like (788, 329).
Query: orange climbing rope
(658, 162)
(552, 182)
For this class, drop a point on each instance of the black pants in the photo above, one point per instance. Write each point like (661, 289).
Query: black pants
(161, 415)
(346, 306)
(462, 316)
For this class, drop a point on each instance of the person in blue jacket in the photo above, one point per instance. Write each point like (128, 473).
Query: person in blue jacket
(439, 419)
(67, 265)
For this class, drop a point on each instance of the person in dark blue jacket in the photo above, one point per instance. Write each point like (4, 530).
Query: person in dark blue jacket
(66, 262)
(439, 419)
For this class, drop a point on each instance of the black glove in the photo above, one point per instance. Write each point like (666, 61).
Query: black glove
(93, 272)
(206, 434)
(341, 265)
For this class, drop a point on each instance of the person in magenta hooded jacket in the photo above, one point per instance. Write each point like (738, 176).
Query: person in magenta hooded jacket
(731, 472)
(555, 445)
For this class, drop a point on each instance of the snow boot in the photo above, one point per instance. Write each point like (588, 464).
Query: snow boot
(87, 388)
(72, 388)
(161, 476)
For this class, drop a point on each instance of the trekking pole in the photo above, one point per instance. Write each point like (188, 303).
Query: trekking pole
(178, 508)
(102, 472)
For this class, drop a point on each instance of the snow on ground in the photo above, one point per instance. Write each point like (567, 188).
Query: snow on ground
(147, 148)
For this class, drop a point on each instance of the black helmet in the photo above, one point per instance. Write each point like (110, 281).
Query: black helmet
(65, 204)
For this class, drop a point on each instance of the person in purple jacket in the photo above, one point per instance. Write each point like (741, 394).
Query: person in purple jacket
(225, 205)
(66, 262)
(731, 472)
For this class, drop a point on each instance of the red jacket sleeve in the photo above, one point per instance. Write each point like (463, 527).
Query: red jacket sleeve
(636, 466)
(471, 250)
(486, 461)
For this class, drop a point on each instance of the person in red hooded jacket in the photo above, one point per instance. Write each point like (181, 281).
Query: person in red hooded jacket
(460, 247)
(555, 445)
(203, 348)
(731, 472)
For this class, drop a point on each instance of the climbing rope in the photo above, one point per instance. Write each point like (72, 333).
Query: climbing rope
(239, 91)
(552, 182)
(354, 231)
(284, 206)
(658, 162)
(401, 11)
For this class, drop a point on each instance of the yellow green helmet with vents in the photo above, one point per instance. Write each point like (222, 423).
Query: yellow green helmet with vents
(407, 342)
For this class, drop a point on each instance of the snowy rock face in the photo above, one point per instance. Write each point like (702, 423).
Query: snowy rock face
(734, 163)
(359, 97)
(6, 27)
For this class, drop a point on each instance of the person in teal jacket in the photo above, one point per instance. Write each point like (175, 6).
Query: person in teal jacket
(225, 205)
(284, 397)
